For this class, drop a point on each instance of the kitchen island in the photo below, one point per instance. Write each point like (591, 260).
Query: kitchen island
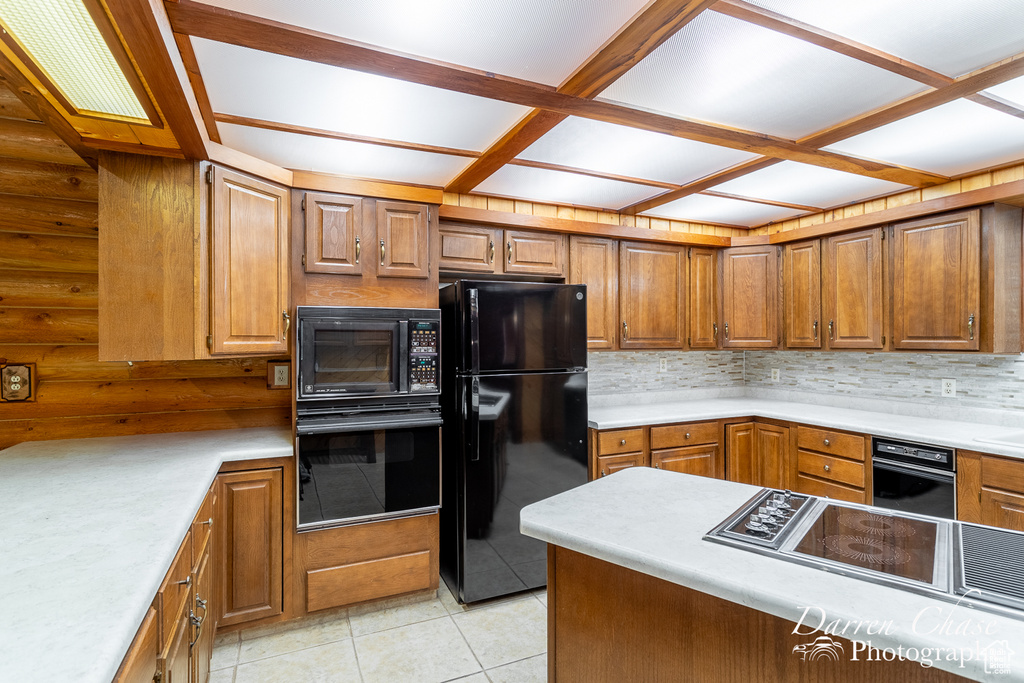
(635, 593)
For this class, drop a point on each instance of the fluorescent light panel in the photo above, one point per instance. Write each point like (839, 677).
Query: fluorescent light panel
(730, 72)
(953, 139)
(701, 208)
(534, 184)
(952, 37)
(797, 183)
(65, 43)
(536, 40)
(1012, 91)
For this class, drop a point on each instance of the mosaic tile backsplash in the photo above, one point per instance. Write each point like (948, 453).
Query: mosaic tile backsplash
(618, 372)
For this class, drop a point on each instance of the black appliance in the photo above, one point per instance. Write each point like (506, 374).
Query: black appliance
(368, 414)
(913, 478)
(514, 402)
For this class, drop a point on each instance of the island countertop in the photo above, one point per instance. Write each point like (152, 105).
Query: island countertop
(89, 528)
(653, 522)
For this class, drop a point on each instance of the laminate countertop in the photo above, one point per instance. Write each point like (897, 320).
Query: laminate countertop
(89, 529)
(948, 433)
(653, 521)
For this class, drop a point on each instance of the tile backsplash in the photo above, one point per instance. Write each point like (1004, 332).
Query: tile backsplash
(620, 372)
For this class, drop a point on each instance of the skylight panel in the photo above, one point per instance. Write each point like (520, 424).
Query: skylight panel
(797, 183)
(701, 208)
(564, 188)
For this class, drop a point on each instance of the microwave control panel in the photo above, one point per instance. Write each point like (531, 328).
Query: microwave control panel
(423, 355)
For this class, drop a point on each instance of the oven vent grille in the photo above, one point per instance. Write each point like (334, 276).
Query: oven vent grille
(993, 560)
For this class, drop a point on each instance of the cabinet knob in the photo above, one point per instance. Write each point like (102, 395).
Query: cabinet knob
(827, 442)
(687, 435)
(602, 473)
(208, 522)
(657, 465)
(622, 442)
(828, 468)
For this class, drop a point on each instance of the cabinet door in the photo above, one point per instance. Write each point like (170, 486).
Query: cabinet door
(174, 663)
(468, 248)
(652, 290)
(249, 285)
(750, 297)
(249, 531)
(334, 233)
(740, 450)
(403, 239)
(853, 290)
(1002, 509)
(204, 607)
(771, 447)
(594, 262)
(703, 305)
(140, 665)
(936, 282)
(534, 253)
(610, 464)
(699, 460)
(801, 292)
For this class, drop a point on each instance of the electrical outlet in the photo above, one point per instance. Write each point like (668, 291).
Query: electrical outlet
(775, 374)
(949, 388)
(16, 382)
(279, 375)
(663, 365)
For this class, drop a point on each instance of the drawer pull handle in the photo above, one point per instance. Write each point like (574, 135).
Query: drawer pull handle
(491, 259)
(828, 468)
(970, 326)
(509, 245)
(359, 248)
(727, 332)
(714, 331)
(625, 331)
(827, 442)
(831, 330)
(815, 330)
(622, 442)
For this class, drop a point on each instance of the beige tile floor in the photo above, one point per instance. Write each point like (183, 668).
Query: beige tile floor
(420, 640)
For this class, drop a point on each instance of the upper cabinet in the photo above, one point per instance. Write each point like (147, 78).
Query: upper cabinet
(702, 301)
(403, 237)
(481, 249)
(652, 296)
(801, 294)
(334, 233)
(594, 262)
(750, 297)
(853, 290)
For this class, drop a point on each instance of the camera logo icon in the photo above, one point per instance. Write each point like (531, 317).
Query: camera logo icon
(821, 648)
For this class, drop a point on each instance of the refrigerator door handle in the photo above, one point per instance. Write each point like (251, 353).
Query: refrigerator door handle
(474, 329)
(473, 423)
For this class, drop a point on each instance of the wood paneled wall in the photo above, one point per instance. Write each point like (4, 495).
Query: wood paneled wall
(48, 314)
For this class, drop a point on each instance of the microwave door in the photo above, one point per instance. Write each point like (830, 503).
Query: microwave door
(352, 358)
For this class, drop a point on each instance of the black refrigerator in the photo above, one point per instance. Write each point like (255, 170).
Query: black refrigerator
(514, 403)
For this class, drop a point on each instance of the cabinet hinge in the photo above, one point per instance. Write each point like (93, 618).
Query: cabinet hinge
(883, 234)
(303, 204)
(209, 341)
(209, 175)
(689, 253)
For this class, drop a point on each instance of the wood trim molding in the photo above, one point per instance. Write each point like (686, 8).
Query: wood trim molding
(195, 78)
(323, 182)
(707, 182)
(249, 164)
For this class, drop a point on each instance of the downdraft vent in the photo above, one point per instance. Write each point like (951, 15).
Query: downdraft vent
(993, 561)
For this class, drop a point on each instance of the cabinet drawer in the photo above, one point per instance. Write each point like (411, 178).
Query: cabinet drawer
(620, 441)
(834, 443)
(827, 489)
(999, 473)
(362, 581)
(175, 590)
(202, 525)
(835, 469)
(677, 436)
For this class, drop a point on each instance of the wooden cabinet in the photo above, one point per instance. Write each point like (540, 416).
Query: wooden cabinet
(692, 448)
(757, 453)
(702, 309)
(801, 295)
(614, 449)
(249, 523)
(833, 464)
(334, 233)
(481, 249)
(403, 239)
(853, 288)
(990, 490)
(750, 297)
(594, 262)
(140, 664)
(652, 296)
(740, 453)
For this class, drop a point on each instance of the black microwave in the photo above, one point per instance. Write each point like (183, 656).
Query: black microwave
(362, 357)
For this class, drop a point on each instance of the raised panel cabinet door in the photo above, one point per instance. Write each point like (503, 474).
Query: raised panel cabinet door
(801, 295)
(204, 607)
(403, 239)
(249, 285)
(652, 296)
(703, 303)
(334, 233)
(250, 536)
(174, 663)
(853, 289)
(936, 282)
(468, 248)
(534, 253)
(740, 451)
(750, 297)
(594, 262)
(1002, 509)
(699, 460)
(140, 664)
(771, 446)
(610, 464)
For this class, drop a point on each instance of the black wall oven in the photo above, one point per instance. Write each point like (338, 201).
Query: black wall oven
(368, 414)
(913, 478)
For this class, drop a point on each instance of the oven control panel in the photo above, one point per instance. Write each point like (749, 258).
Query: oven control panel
(423, 356)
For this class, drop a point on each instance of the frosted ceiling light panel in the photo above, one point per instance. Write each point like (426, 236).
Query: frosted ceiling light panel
(321, 96)
(537, 40)
(953, 139)
(308, 153)
(606, 147)
(64, 41)
(798, 183)
(726, 71)
(541, 185)
(1012, 91)
(952, 37)
(699, 208)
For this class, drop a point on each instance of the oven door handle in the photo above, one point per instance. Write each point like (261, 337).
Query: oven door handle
(369, 424)
(927, 472)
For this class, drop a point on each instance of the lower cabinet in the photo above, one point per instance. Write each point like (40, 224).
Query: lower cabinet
(833, 464)
(990, 490)
(690, 448)
(758, 453)
(612, 450)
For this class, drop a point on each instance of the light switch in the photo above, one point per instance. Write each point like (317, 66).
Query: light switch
(16, 382)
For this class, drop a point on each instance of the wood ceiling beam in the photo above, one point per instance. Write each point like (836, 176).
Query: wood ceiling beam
(195, 78)
(206, 21)
(593, 174)
(658, 22)
(769, 202)
(698, 186)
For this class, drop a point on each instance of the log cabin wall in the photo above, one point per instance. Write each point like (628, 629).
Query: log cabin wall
(48, 314)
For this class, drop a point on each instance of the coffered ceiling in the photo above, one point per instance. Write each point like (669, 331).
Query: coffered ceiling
(728, 112)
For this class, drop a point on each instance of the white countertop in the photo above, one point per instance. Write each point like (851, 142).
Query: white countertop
(611, 519)
(89, 529)
(949, 433)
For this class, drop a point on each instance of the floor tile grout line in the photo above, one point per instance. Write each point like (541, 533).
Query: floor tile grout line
(359, 667)
(298, 649)
(470, 647)
(392, 628)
